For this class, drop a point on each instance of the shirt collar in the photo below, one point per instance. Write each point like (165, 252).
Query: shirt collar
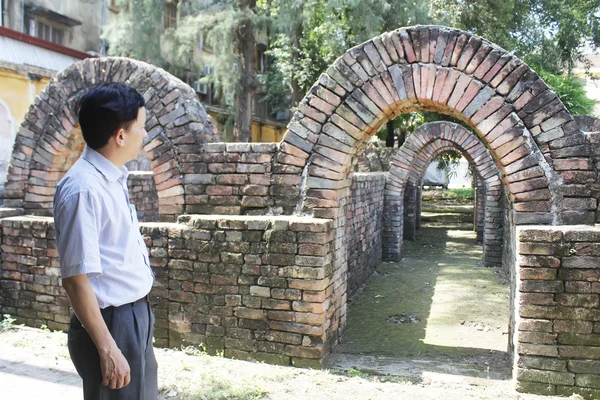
(104, 166)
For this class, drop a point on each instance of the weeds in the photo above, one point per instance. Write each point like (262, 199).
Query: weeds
(7, 323)
(372, 377)
(211, 387)
(357, 373)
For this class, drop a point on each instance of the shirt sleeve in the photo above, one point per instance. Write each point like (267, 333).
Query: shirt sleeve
(77, 231)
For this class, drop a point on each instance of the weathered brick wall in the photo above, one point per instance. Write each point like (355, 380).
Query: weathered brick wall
(30, 288)
(479, 207)
(250, 287)
(410, 211)
(559, 327)
(509, 257)
(364, 227)
(376, 158)
(406, 176)
(594, 139)
(143, 195)
(216, 178)
(233, 179)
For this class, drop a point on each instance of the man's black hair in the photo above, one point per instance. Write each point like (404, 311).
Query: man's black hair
(105, 109)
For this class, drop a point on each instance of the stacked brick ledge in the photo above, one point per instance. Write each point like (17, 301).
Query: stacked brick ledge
(558, 336)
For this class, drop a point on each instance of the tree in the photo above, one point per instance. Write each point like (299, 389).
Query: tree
(572, 24)
(547, 34)
(308, 35)
(247, 84)
(230, 32)
(135, 32)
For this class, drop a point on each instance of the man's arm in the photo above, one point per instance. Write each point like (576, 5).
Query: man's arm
(77, 225)
(114, 366)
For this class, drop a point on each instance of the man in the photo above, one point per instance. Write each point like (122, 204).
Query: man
(103, 259)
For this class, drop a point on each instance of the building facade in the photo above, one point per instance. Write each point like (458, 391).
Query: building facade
(590, 77)
(38, 38)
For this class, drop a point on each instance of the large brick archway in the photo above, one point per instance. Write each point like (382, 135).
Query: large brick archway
(543, 159)
(406, 174)
(49, 141)
(448, 71)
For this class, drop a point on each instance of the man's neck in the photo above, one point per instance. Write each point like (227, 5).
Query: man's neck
(111, 156)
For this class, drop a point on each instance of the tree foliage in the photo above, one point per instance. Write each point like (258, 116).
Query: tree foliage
(135, 32)
(306, 36)
(571, 92)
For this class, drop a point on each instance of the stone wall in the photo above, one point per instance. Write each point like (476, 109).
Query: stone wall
(364, 228)
(249, 287)
(559, 328)
(143, 195)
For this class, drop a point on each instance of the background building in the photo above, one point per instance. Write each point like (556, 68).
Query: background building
(38, 39)
(591, 79)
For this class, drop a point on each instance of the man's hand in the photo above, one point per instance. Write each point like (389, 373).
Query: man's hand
(115, 368)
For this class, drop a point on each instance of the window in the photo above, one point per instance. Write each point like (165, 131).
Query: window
(170, 15)
(47, 24)
(261, 59)
(49, 32)
(203, 45)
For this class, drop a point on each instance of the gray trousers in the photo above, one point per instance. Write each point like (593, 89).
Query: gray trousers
(131, 326)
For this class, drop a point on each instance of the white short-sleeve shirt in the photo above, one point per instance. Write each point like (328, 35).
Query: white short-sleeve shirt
(97, 231)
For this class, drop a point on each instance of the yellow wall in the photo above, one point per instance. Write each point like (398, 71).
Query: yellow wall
(266, 133)
(18, 92)
(260, 132)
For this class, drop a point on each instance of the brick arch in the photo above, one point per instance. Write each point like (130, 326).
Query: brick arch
(177, 125)
(407, 170)
(493, 209)
(448, 71)
(413, 200)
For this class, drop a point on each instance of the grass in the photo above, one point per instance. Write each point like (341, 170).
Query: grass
(449, 194)
(184, 381)
(463, 193)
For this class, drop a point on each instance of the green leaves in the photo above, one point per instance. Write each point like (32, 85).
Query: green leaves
(136, 31)
(571, 92)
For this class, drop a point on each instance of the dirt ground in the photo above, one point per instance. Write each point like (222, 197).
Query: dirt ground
(34, 364)
(433, 326)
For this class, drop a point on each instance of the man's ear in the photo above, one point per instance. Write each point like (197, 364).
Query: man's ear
(120, 137)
